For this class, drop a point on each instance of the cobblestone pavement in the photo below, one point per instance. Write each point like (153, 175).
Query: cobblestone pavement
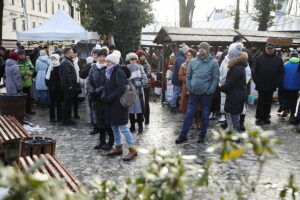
(75, 149)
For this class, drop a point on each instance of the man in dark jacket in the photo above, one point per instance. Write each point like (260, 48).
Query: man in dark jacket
(3, 58)
(180, 58)
(68, 82)
(267, 76)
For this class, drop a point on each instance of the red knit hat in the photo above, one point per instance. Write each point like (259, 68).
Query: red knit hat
(140, 53)
(14, 56)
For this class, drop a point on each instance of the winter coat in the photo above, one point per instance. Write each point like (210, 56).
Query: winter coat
(138, 79)
(26, 72)
(95, 85)
(41, 66)
(54, 83)
(3, 59)
(268, 72)
(116, 114)
(84, 72)
(249, 54)
(291, 77)
(235, 85)
(13, 78)
(147, 69)
(67, 74)
(203, 75)
(178, 62)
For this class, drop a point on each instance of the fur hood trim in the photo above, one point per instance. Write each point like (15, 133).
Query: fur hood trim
(242, 59)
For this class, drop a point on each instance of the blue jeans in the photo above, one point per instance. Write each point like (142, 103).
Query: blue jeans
(236, 122)
(176, 94)
(203, 100)
(117, 129)
(43, 96)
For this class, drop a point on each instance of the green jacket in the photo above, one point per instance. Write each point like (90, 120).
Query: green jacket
(26, 72)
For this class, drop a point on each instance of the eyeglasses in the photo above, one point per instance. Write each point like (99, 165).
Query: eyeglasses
(133, 59)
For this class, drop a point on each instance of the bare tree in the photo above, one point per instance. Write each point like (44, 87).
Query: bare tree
(247, 6)
(186, 12)
(237, 15)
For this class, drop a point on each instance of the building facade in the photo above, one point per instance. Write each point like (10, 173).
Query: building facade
(22, 15)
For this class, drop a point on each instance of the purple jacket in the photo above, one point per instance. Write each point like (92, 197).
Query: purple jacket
(13, 79)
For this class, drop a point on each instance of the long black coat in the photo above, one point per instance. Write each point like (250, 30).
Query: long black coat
(268, 72)
(116, 114)
(54, 84)
(67, 74)
(235, 86)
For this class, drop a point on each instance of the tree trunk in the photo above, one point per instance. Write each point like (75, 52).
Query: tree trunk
(1, 19)
(237, 15)
(290, 7)
(247, 6)
(263, 19)
(186, 12)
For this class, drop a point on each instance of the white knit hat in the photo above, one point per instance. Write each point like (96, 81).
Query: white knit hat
(89, 60)
(56, 56)
(117, 53)
(235, 50)
(113, 58)
(131, 55)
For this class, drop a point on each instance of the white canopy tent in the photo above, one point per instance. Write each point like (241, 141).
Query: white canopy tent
(60, 27)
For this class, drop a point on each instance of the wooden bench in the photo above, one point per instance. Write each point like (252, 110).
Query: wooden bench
(11, 135)
(51, 167)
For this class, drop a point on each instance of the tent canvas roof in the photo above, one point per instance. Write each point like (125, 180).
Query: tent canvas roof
(60, 27)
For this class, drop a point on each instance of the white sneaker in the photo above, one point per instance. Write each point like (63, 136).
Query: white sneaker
(222, 118)
(211, 116)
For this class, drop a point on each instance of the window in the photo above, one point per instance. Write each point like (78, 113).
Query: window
(12, 2)
(52, 8)
(46, 6)
(22, 3)
(58, 7)
(14, 24)
(33, 24)
(32, 2)
(23, 25)
(40, 5)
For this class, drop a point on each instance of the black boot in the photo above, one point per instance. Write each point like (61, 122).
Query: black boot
(109, 145)
(132, 122)
(140, 119)
(102, 139)
(224, 125)
(242, 122)
(94, 131)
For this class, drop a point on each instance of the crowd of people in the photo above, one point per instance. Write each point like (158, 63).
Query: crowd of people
(204, 84)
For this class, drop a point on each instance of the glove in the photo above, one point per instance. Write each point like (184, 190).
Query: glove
(99, 89)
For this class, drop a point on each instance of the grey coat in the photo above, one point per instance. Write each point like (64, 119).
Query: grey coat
(13, 79)
(139, 80)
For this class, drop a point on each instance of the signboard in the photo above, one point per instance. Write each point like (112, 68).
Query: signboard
(285, 42)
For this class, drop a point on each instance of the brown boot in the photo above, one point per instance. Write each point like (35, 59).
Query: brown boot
(132, 153)
(118, 150)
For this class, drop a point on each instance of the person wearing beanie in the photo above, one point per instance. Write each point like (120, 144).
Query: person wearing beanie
(41, 67)
(27, 71)
(267, 77)
(202, 79)
(179, 60)
(54, 89)
(191, 54)
(116, 114)
(235, 86)
(147, 68)
(291, 85)
(12, 73)
(138, 79)
(3, 58)
(95, 86)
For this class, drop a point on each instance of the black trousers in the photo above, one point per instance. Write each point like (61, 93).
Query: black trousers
(147, 106)
(26, 90)
(55, 105)
(264, 104)
(67, 105)
(75, 104)
(291, 97)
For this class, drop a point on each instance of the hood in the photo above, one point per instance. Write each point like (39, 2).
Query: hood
(242, 59)
(10, 62)
(43, 58)
(294, 60)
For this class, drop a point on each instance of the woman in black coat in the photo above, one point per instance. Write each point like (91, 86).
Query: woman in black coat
(235, 85)
(116, 114)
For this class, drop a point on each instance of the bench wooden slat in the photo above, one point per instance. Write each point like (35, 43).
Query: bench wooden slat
(63, 172)
(10, 127)
(20, 127)
(42, 168)
(23, 164)
(6, 131)
(2, 133)
(16, 125)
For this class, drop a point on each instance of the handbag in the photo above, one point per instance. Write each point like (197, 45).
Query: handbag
(128, 98)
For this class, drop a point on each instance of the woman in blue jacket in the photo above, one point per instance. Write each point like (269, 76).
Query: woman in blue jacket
(41, 66)
(291, 84)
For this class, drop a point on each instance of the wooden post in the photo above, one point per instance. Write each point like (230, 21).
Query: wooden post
(163, 95)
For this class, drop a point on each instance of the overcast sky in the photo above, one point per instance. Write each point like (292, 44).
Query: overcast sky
(168, 11)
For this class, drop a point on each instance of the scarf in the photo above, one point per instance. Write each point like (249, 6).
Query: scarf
(50, 69)
(76, 66)
(109, 71)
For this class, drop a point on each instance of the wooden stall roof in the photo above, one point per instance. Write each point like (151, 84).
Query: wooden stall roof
(175, 34)
(168, 35)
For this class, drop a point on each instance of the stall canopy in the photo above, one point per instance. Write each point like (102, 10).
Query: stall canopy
(61, 27)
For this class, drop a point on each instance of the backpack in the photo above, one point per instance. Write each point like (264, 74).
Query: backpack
(128, 98)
